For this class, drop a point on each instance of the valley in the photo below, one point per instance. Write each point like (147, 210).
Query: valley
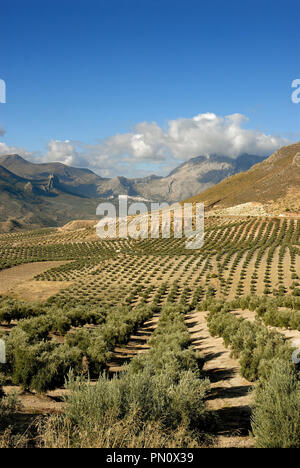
(149, 228)
(107, 305)
(142, 342)
(34, 195)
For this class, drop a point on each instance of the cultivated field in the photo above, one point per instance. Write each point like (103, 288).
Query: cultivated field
(193, 347)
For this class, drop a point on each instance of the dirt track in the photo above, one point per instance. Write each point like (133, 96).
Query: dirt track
(137, 344)
(230, 398)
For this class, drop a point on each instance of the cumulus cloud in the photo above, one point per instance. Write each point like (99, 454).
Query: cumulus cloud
(5, 149)
(184, 138)
(150, 148)
(64, 152)
(203, 134)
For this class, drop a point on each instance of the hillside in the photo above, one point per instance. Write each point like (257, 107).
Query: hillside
(201, 173)
(146, 311)
(28, 203)
(273, 183)
(52, 194)
(76, 181)
(195, 176)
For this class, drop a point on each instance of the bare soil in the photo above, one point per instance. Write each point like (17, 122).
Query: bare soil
(137, 344)
(37, 404)
(34, 404)
(250, 315)
(18, 281)
(230, 397)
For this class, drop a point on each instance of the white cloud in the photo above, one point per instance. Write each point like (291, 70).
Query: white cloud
(208, 133)
(203, 134)
(5, 149)
(64, 152)
(150, 148)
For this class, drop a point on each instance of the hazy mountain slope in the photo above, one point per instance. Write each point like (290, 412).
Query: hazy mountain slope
(274, 182)
(9, 180)
(70, 179)
(194, 176)
(25, 202)
(52, 194)
(190, 178)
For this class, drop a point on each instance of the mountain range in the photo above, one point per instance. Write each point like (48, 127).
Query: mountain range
(273, 184)
(51, 194)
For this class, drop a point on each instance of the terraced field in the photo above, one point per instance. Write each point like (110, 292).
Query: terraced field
(102, 306)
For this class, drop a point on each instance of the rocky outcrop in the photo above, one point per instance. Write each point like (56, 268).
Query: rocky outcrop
(190, 178)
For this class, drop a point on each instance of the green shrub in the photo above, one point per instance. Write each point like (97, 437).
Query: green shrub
(161, 390)
(252, 343)
(276, 415)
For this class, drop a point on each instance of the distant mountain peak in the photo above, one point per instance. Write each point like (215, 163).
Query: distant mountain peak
(13, 157)
(54, 193)
(275, 183)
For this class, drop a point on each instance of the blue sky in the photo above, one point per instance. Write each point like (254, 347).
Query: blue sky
(81, 72)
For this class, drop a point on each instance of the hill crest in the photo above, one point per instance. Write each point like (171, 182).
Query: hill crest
(274, 183)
